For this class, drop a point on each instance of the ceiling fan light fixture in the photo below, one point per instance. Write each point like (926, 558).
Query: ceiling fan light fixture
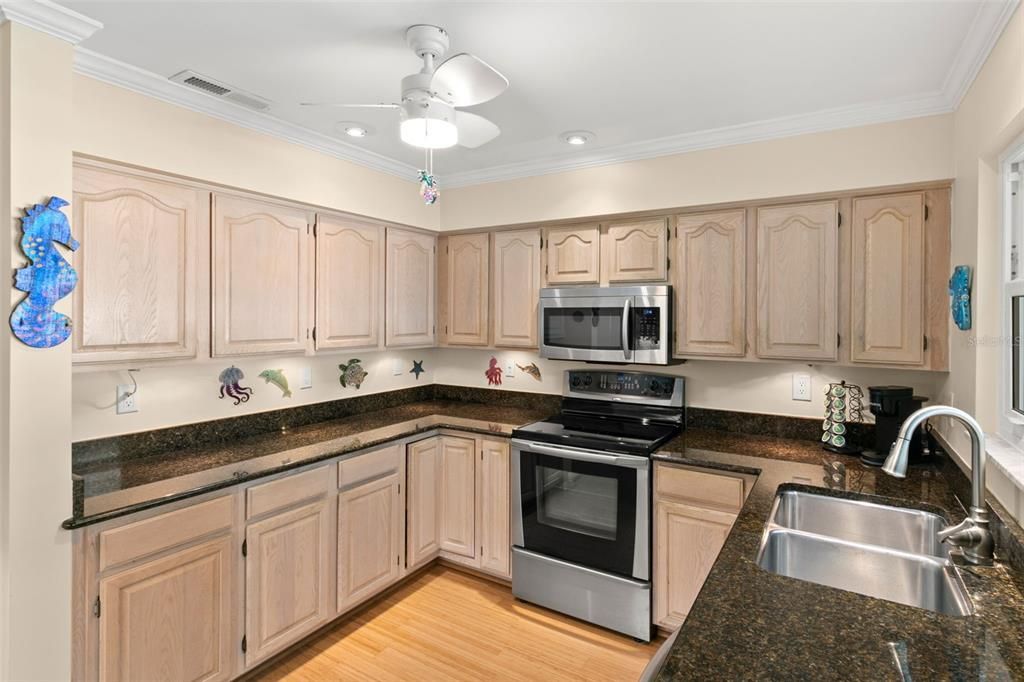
(428, 127)
(356, 131)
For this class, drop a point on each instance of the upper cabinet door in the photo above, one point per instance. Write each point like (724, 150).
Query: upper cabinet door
(636, 251)
(887, 285)
(710, 283)
(409, 314)
(141, 264)
(516, 288)
(797, 268)
(465, 269)
(573, 254)
(260, 277)
(349, 282)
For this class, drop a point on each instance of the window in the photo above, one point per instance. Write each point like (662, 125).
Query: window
(1011, 399)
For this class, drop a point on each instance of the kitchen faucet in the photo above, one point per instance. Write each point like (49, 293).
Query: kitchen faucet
(972, 535)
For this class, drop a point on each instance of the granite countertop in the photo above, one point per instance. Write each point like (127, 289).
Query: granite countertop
(750, 624)
(109, 485)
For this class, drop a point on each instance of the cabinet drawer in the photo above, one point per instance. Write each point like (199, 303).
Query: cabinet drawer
(157, 533)
(286, 491)
(369, 466)
(705, 489)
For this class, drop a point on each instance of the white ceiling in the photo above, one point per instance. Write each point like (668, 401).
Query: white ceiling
(647, 78)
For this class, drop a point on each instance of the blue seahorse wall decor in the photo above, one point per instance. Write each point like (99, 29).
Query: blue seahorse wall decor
(960, 296)
(47, 279)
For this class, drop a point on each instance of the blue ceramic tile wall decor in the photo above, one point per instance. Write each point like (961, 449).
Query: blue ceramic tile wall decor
(960, 296)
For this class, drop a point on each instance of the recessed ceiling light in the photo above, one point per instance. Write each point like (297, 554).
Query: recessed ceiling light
(353, 129)
(577, 138)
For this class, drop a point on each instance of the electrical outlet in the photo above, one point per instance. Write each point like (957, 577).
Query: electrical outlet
(397, 367)
(802, 387)
(126, 397)
(510, 369)
(305, 378)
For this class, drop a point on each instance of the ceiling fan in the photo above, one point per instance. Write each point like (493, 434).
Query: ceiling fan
(431, 117)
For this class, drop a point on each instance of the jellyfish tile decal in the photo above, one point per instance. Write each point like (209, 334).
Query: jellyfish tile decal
(493, 373)
(47, 279)
(230, 385)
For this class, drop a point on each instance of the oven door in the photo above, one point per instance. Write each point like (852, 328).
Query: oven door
(585, 507)
(585, 328)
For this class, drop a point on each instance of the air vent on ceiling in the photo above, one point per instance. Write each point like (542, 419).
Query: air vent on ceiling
(220, 90)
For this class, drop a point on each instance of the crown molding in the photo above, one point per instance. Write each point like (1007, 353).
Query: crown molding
(50, 18)
(94, 65)
(758, 131)
(988, 24)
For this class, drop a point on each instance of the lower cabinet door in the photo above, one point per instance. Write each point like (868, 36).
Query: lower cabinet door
(286, 579)
(423, 501)
(458, 496)
(170, 619)
(494, 508)
(370, 539)
(687, 541)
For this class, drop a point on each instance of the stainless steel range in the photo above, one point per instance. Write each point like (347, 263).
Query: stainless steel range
(581, 491)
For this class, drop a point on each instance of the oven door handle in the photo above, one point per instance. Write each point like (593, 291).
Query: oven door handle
(626, 350)
(585, 455)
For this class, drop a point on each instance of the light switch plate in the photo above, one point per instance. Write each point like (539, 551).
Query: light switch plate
(305, 378)
(127, 400)
(397, 367)
(802, 387)
(510, 368)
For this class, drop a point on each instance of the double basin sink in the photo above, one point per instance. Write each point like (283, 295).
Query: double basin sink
(885, 552)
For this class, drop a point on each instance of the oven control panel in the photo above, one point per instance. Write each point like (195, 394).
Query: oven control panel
(632, 384)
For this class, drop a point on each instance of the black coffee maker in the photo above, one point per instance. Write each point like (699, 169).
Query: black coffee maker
(891, 406)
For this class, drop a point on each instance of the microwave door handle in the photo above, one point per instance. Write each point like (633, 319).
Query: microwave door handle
(626, 350)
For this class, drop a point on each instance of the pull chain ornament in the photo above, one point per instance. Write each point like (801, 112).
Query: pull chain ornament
(428, 184)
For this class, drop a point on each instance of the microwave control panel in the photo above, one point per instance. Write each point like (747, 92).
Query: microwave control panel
(634, 384)
(646, 330)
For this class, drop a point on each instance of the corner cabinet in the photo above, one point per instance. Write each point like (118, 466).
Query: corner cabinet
(261, 277)
(409, 273)
(797, 281)
(573, 254)
(710, 283)
(142, 265)
(458, 496)
(516, 259)
(635, 251)
(887, 286)
(349, 283)
(464, 282)
(423, 502)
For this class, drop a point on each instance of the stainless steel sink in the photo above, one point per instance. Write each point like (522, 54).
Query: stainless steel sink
(871, 549)
(909, 530)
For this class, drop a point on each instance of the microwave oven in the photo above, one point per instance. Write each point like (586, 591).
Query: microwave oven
(606, 324)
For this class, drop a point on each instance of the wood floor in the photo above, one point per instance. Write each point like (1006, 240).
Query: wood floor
(447, 625)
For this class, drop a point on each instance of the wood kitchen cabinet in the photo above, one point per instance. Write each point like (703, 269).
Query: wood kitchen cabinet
(423, 501)
(635, 251)
(409, 288)
(493, 486)
(516, 283)
(349, 283)
(464, 280)
(458, 496)
(710, 283)
(694, 510)
(888, 279)
(261, 277)
(797, 281)
(371, 524)
(143, 266)
(573, 254)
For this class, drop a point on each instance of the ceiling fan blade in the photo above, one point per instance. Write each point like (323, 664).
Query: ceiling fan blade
(474, 130)
(349, 106)
(465, 80)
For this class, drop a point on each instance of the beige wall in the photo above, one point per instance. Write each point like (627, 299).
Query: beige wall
(35, 428)
(120, 125)
(914, 150)
(988, 120)
(187, 393)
